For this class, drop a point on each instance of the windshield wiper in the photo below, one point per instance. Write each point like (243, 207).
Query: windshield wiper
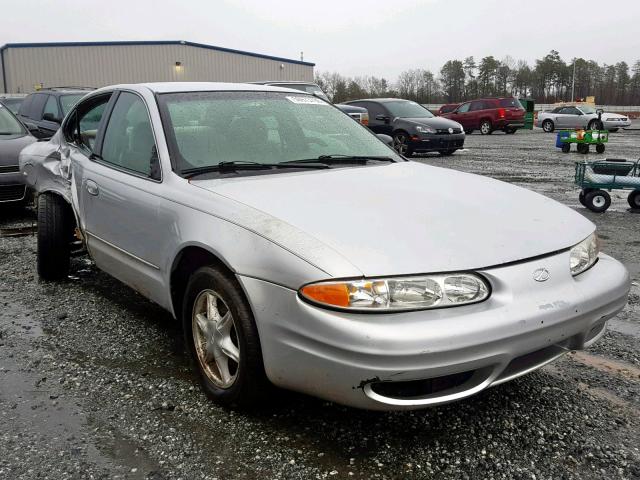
(340, 158)
(234, 166)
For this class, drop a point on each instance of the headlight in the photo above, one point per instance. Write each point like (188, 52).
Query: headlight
(584, 254)
(397, 294)
(424, 129)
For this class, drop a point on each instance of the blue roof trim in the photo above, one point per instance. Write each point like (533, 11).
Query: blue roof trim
(154, 42)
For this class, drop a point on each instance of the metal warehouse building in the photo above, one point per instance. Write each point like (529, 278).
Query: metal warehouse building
(25, 67)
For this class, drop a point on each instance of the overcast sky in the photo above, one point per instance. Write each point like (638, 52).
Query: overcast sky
(353, 37)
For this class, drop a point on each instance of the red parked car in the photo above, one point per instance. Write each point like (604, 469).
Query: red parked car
(489, 114)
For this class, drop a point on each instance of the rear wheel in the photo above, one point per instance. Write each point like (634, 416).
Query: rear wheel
(548, 126)
(566, 147)
(597, 201)
(583, 193)
(634, 199)
(600, 148)
(222, 339)
(401, 144)
(485, 127)
(55, 229)
(447, 153)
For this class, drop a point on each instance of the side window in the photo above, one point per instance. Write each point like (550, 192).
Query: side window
(464, 108)
(51, 108)
(374, 110)
(556, 110)
(128, 139)
(25, 107)
(475, 106)
(81, 126)
(37, 106)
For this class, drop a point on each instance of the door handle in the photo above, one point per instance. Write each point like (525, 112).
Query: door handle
(92, 187)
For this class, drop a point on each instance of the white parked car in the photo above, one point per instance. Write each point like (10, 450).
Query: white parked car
(580, 116)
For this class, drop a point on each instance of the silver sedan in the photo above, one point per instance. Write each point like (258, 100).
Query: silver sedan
(298, 249)
(580, 116)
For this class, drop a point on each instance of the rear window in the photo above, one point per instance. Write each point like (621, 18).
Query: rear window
(510, 103)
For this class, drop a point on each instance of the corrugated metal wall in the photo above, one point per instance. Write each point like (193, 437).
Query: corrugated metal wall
(97, 66)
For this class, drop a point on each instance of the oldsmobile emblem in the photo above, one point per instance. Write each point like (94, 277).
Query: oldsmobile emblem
(541, 275)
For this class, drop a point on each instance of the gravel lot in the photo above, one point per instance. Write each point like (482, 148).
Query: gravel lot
(94, 382)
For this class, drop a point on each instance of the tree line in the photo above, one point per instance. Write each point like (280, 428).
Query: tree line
(548, 81)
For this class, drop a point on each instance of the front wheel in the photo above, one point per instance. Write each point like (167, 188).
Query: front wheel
(401, 144)
(222, 339)
(55, 228)
(597, 201)
(634, 199)
(548, 126)
(566, 147)
(447, 153)
(485, 127)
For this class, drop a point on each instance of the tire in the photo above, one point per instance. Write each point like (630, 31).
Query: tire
(486, 127)
(548, 126)
(447, 153)
(634, 199)
(600, 148)
(55, 228)
(242, 382)
(401, 144)
(594, 124)
(581, 199)
(566, 147)
(597, 201)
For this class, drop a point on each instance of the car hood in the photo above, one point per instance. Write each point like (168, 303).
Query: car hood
(606, 115)
(408, 217)
(10, 147)
(435, 122)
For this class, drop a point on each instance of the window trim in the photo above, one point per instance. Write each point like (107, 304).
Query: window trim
(73, 114)
(102, 131)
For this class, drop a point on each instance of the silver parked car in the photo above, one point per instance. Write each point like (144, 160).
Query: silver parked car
(14, 136)
(300, 250)
(580, 116)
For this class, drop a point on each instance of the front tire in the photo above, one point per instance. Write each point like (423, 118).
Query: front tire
(55, 225)
(485, 127)
(597, 201)
(548, 126)
(401, 144)
(634, 199)
(594, 125)
(222, 339)
(566, 147)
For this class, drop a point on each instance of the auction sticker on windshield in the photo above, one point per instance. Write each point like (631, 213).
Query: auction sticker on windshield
(307, 100)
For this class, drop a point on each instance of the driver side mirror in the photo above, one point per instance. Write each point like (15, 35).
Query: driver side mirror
(385, 138)
(382, 118)
(49, 117)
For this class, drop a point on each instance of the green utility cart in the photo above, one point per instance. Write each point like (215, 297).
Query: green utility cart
(582, 139)
(528, 104)
(595, 178)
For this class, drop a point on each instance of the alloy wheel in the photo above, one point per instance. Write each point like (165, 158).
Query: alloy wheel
(547, 126)
(215, 339)
(400, 143)
(485, 128)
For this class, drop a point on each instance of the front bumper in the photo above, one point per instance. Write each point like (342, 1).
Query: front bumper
(416, 359)
(12, 185)
(436, 142)
(609, 124)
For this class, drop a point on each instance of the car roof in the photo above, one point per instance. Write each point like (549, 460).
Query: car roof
(177, 87)
(279, 82)
(381, 100)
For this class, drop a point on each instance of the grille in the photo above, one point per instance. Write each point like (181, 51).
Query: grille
(445, 131)
(9, 169)
(9, 193)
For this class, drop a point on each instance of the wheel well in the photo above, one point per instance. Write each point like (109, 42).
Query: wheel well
(547, 120)
(186, 262)
(485, 119)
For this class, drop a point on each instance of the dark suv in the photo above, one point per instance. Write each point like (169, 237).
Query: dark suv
(47, 107)
(489, 114)
(414, 129)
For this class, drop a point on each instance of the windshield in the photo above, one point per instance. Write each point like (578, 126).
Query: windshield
(68, 101)
(406, 109)
(586, 109)
(8, 123)
(206, 128)
(12, 104)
